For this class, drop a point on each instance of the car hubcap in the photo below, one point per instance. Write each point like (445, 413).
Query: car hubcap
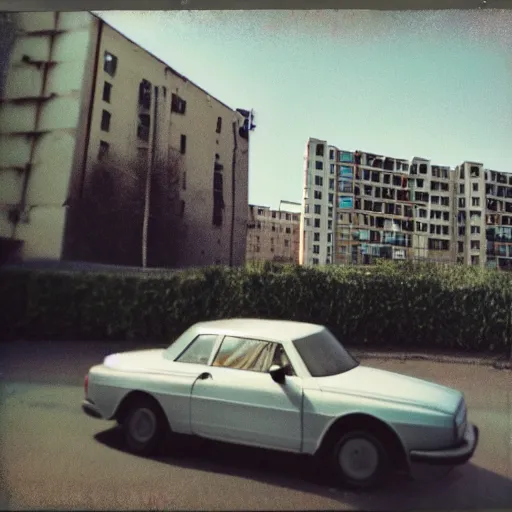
(358, 458)
(143, 425)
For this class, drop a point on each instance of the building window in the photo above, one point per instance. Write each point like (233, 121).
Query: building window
(318, 209)
(218, 198)
(319, 165)
(183, 144)
(316, 237)
(105, 121)
(288, 231)
(331, 155)
(460, 246)
(316, 249)
(178, 105)
(461, 188)
(462, 202)
(331, 184)
(475, 230)
(475, 260)
(306, 209)
(145, 94)
(318, 194)
(184, 181)
(317, 223)
(475, 172)
(316, 261)
(475, 187)
(143, 127)
(107, 91)
(109, 64)
(475, 201)
(331, 198)
(287, 243)
(329, 238)
(475, 245)
(319, 181)
(219, 125)
(329, 225)
(103, 151)
(274, 214)
(319, 150)
(332, 168)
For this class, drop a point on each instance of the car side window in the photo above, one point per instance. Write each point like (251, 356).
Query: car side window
(245, 354)
(199, 351)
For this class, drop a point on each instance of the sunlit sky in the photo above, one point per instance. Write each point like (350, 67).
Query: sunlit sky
(434, 84)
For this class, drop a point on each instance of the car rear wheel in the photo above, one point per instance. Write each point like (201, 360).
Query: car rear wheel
(144, 427)
(359, 460)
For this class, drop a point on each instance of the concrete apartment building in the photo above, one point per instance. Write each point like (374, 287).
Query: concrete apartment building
(359, 206)
(393, 208)
(484, 216)
(77, 95)
(273, 235)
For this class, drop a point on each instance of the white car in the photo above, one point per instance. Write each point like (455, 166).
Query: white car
(281, 385)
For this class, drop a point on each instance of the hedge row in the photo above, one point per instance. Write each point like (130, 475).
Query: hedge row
(403, 306)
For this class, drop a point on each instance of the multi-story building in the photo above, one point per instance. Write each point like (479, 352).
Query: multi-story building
(403, 209)
(273, 235)
(317, 222)
(484, 216)
(172, 159)
(382, 207)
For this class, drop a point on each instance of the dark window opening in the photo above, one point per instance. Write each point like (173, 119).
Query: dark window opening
(109, 63)
(105, 121)
(145, 94)
(184, 181)
(143, 127)
(178, 105)
(104, 149)
(219, 125)
(107, 91)
(319, 165)
(319, 150)
(183, 144)
(218, 199)
(423, 168)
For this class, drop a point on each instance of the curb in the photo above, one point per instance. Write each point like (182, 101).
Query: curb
(497, 362)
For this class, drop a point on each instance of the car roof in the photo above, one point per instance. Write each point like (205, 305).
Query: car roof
(275, 330)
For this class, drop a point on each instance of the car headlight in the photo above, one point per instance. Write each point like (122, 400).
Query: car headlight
(460, 421)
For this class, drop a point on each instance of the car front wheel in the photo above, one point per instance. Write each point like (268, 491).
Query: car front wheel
(359, 460)
(144, 427)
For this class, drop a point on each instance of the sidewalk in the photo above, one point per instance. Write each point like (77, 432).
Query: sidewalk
(498, 361)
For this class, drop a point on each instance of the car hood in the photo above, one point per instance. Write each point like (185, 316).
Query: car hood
(394, 387)
(151, 359)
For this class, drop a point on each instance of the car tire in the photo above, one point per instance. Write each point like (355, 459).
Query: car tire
(359, 460)
(145, 427)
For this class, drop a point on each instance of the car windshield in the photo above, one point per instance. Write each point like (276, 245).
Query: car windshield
(324, 355)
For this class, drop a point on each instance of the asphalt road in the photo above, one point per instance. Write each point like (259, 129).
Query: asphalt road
(52, 456)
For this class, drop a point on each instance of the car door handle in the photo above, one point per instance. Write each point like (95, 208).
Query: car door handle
(204, 376)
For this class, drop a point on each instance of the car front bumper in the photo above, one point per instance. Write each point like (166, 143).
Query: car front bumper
(90, 409)
(451, 456)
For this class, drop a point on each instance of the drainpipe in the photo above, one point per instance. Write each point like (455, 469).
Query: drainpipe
(233, 193)
(147, 195)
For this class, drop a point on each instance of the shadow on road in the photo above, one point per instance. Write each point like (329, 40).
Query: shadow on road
(468, 486)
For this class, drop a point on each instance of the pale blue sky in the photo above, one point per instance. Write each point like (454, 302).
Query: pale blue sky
(432, 84)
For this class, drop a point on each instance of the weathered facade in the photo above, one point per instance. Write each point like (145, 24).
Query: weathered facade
(107, 154)
(272, 235)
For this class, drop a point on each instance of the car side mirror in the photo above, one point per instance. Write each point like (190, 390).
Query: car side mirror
(278, 373)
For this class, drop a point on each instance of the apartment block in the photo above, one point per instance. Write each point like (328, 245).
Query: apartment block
(99, 137)
(484, 216)
(272, 235)
(359, 206)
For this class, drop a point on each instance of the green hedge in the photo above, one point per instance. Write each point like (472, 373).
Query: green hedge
(404, 306)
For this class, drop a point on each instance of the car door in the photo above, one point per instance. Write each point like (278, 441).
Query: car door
(237, 400)
(180, 377)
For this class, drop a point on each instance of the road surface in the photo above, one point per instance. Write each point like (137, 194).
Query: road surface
(53, 456)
